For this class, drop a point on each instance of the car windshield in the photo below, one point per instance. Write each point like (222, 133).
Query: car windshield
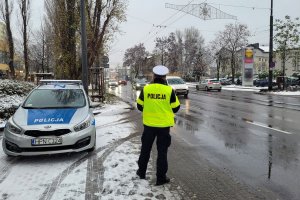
(175, 81)
(214, 81)
(64, 98)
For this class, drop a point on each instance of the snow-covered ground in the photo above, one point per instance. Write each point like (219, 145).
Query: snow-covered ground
(65, 176)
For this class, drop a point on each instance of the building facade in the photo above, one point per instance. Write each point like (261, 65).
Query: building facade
(3, 49)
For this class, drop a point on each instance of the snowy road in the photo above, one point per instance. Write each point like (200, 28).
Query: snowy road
(106, 173)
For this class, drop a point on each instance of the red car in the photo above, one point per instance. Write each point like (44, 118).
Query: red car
(122, 82)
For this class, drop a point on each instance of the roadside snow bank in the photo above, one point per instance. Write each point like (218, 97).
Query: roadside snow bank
(12, 93)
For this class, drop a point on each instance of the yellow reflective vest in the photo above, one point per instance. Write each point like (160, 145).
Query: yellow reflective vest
(157, 108)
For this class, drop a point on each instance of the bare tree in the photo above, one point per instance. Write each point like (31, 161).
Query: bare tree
(103, 18)
(180, 49)
(195, 53)
(233, 38)
(161, 45)
(24, 6)
(183, 52)
(135, 58)
(173, 53)
(41, 50)
(6, 13)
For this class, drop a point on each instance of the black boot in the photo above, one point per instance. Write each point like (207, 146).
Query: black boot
(142, 176)
(162, 181)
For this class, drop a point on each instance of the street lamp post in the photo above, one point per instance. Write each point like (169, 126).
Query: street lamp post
(83, 48)
(271, 64)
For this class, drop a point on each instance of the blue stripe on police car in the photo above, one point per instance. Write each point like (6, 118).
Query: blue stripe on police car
(50, 116)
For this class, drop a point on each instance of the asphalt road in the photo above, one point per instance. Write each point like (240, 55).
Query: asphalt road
(234, 145)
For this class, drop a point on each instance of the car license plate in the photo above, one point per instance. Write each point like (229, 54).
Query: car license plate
(46, 141)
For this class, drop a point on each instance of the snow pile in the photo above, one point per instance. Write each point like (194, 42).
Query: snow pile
(287, 93)
(12, 87)
(12, 94)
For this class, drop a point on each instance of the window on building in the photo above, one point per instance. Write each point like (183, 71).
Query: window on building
(296, 61)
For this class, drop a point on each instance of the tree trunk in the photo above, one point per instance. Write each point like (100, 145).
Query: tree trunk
(10, 41)
(71, 48)
(232, 67)
(24, 14)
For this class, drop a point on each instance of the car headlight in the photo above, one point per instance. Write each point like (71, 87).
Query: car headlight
(13, 128)
(138, 84)
(83, 125)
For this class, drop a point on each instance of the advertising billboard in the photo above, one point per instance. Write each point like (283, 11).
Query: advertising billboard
(247, 69)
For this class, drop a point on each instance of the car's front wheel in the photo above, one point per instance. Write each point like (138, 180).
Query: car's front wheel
(206, 88)
(197, 87)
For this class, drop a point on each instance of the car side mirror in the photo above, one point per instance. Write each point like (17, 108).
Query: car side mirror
(94, 104)
(16, 106)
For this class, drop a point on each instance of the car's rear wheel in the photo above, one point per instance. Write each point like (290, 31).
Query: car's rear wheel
(197, 87)
(186, 96)
(219, 90)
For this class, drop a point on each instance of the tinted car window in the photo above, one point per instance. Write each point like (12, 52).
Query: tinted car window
(174, 81)
(64, 98)
(215, 81)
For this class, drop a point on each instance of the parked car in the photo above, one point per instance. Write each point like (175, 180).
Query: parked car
(139, 84)
(225, 81)
(112, 83)
(178, 85)
(54, 118)
(261, 82)
(209, 84)
(122, 82)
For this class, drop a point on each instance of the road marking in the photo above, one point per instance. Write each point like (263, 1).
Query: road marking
(265, 126)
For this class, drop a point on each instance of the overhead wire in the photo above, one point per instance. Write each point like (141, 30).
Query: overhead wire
(155, 27)
(162, 26)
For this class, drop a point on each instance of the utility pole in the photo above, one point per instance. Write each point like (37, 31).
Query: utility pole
(84, 66)
(271, 63)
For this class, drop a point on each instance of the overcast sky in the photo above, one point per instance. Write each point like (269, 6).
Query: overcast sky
(144, 15)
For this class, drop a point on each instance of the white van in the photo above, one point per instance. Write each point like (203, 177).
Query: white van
(178, 85)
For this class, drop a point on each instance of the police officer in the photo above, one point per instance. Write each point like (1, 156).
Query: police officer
(158, 102)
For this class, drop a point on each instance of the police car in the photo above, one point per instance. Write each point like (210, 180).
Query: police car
(54, 118)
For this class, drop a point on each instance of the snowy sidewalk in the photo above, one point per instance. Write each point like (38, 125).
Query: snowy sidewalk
(107, 173)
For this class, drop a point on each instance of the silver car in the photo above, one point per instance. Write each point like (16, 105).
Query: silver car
(178, 85)
(209, 84)
(54, 118)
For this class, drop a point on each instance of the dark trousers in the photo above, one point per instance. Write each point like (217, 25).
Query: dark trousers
(163, 141)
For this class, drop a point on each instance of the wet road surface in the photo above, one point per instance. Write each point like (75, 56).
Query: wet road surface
(254, 138)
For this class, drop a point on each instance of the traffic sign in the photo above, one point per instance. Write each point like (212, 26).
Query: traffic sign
(104, 60)
(106, 65)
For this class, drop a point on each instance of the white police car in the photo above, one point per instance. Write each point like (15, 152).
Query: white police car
(54, 118)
